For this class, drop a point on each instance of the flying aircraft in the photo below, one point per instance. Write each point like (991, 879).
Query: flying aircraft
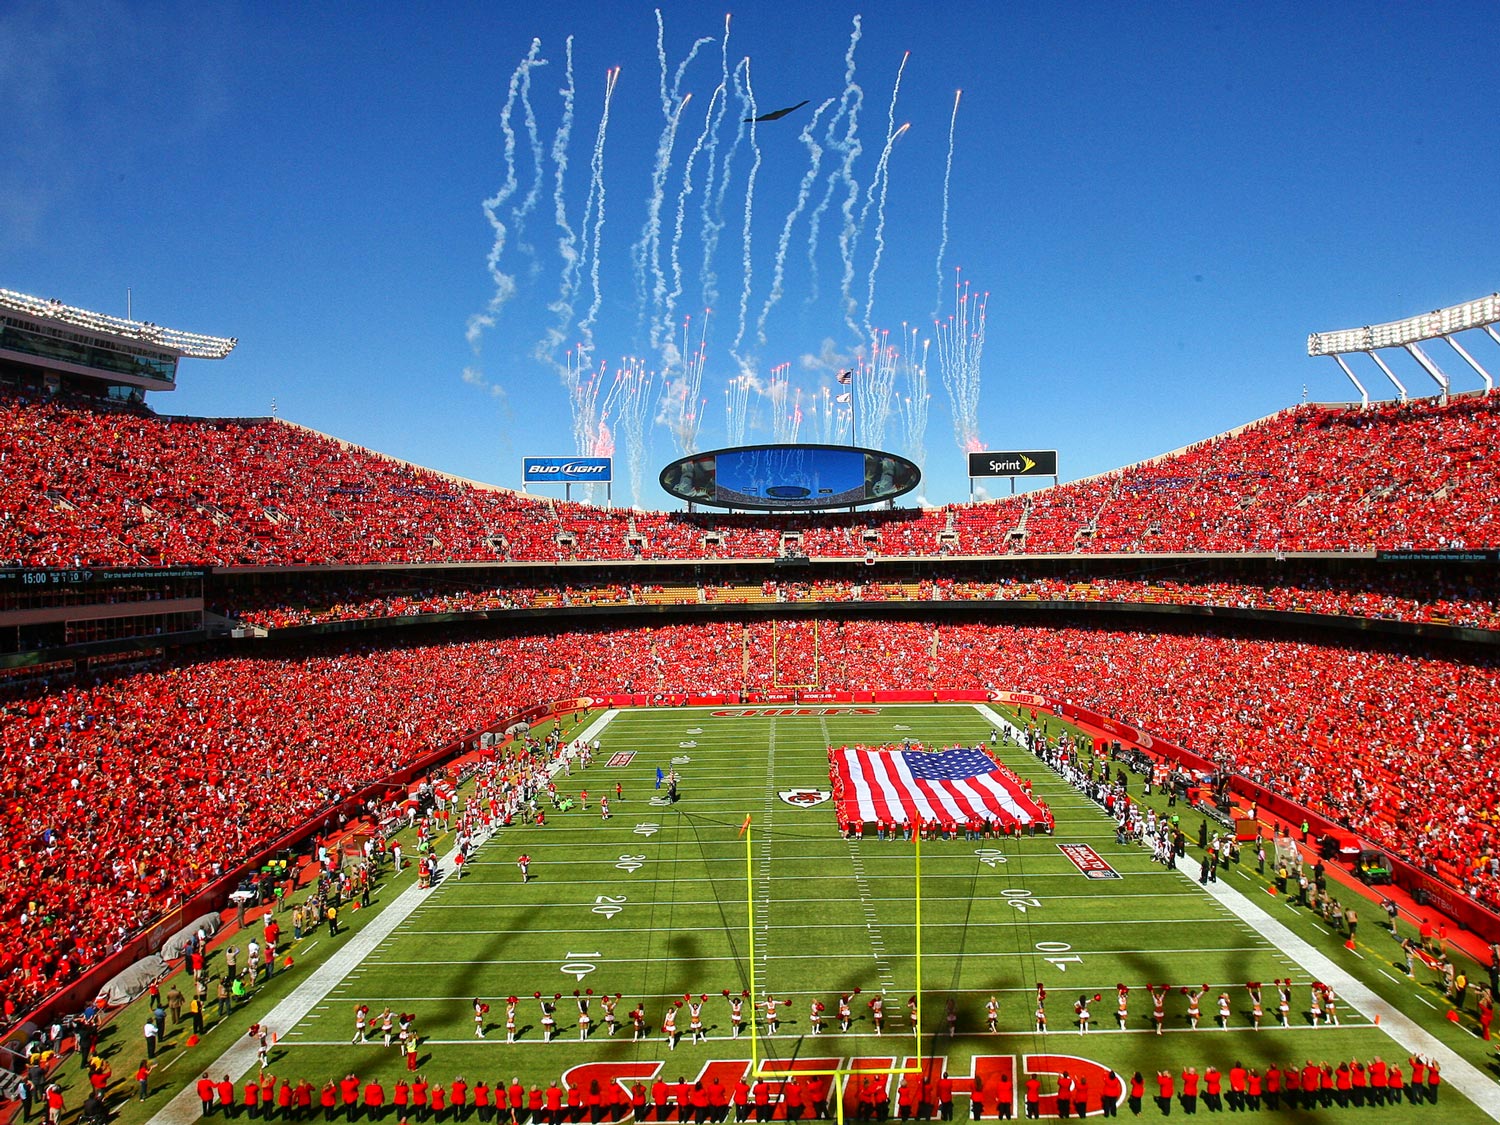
(777, 114)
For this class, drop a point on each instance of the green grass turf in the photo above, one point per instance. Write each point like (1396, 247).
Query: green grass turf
(660, 901)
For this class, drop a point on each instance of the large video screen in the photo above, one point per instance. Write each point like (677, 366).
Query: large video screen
(790, 477)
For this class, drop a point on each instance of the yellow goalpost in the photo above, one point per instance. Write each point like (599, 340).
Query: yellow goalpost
(839, 1073)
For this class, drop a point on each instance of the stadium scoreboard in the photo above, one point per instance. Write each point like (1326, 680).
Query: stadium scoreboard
(790, 477)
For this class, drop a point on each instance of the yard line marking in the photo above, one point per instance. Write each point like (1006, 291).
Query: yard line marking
(1387, 976)
(239, 1057)
(1412, 1038)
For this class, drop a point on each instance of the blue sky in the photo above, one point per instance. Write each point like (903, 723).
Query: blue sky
(1161, 201)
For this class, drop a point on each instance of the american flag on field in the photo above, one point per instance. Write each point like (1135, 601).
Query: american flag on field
(902, 785)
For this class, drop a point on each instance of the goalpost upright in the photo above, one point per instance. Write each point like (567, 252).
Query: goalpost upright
(837, 1073)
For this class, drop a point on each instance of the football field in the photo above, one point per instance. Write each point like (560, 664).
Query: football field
(673, 905)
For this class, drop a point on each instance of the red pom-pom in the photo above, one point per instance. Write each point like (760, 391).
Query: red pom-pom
(786, 1003)
(557, 996)
(1205, 988)
(510, 1000)
(687, 995)
(1120, 987)
(618, 995)
(1184, 990)
(726, 993)
(856, 990)
(588, 991)
(679, 1003)
(1253, 984)
(746, 993)
(1096, 998)
(536, 995)
(575, 992)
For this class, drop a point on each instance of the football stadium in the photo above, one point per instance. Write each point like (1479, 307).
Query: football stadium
(341, 785)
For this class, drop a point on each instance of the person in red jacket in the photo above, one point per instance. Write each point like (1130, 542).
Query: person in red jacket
(458, 1098)
(1273, 1087)
(329, 1099)
(1189, 1089)
(1033, 1097)
(554, 1098)
(1291, 1084)
(534, 1103)
(1237, 1086)
(761, 1095)
(1378, 1072)
(285, 1098)
(516, 1097)
(906, 1100)
(740, 1097)
(1213, 1083)
(1137, 1093)
(660, 1094)
(944, 1096)
(1064, 1094)
(1110, 1092)
(374, 1099)
(206, 1093)
(1394, 1083)
(1165, 1087)
(303, 1097)
(1005, 1095)
(482, 1108)
(1434, 1080)
(1254, 1084)
(252, 1098)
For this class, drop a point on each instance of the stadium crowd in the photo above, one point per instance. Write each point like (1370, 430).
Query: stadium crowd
(89, 485)
(122, 797)
(1396, 599)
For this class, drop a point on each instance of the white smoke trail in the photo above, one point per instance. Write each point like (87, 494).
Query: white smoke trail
(594, 209)
(879, 183)
(662, 327)
(711, 207)
(681, 408)
(882, 179)
(915, 400)
(809, 178)
(947, 179)
(505, 283)
(747, 99)
(960, 346)
(874, 384)
(737, 405)
(646, 253)
(636, 396)
(849, 103)
(538, 162)
(567, 241)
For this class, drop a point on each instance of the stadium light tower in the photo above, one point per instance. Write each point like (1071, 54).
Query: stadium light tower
(1409, 334)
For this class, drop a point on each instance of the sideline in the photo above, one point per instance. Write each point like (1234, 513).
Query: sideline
(186, 1109)
(1457, 1071)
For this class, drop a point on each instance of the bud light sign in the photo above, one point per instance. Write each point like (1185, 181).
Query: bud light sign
(567, 470)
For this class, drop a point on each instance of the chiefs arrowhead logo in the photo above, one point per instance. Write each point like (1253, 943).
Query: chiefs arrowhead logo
(805, 797)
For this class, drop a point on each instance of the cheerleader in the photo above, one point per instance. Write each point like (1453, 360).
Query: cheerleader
(736, 1013)
(773, 1017)
(1224, 1011)
(877, 1013)
(1316, 1011)
(845, 1012)
(361, 1011)
(1158, 1006)
(1041, 1012)
(1081, 1011)
(1256, 1010)
(911, 1013)
(387, 1026)
(951, 1016)
(815, 1016)
(992, 1015)
(609, 1002)
(1330, 1005)
(1284, 1003)
(1195, 1010)
(549, 1020)
(1122, 1005)
(510, 1020)
(695, 1021)
(585, 1021)
(637, 1023)
(481, 1010)
(669, 1026)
